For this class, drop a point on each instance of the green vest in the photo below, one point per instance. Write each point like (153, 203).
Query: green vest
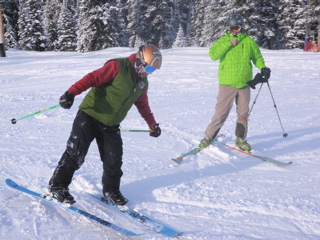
(109, 103)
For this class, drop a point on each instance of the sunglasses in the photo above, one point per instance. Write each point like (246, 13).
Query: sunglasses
(235, 28)
(149, 69)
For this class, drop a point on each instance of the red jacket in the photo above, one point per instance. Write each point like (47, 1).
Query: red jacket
(107, 73)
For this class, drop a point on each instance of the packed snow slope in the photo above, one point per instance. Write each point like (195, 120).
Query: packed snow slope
(217, 194)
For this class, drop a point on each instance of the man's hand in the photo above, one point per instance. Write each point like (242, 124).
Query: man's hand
(234, 42)
(156, 130)
(257, 79)
(66, 100)
(265, 74)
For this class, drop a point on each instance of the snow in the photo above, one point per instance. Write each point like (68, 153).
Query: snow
(217, 194)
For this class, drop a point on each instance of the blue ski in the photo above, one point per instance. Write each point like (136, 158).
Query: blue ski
(116, 228)
(152, 224)
(193, 151)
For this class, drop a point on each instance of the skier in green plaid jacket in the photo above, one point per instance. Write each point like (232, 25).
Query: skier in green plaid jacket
(236, 52)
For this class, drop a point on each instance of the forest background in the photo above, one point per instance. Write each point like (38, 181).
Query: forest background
(90, 25)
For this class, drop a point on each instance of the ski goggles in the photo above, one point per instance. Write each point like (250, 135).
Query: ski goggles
(235, 29)
(149, 69)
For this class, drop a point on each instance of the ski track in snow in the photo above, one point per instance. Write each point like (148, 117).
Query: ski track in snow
(217, 194)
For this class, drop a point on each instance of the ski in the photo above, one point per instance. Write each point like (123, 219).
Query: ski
(194, 151)
(94, 218)
(266, 159)
(150, 223)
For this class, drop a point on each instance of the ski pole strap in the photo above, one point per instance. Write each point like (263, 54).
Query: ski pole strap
(14, 121)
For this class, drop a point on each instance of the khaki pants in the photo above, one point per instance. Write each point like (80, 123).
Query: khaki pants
(225, 98)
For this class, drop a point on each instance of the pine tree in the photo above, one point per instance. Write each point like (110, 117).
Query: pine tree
(115, 23)
(166, 26)
(263, 23)
(197, 19)
(66, 31)
(10, 15)
(151, 23)
(47, 25)
(51, 11)
(182, 19)
(180, 40)
(312, 16)
(132, 21)
(292, 18)
(90, 26)
(31, 33)
(214, 22)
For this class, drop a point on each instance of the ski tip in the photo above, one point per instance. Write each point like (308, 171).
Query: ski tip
(177, 160)
(288, 163)
(283, 164)
(171, 233)
(178, 234)
(129, 233)
(11, 183)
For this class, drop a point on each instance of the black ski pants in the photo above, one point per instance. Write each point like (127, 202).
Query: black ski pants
(84, 130)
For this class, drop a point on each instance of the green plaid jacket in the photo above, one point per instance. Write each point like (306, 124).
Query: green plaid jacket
(235, 67)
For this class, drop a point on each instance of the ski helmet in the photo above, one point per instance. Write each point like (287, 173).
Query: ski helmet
(235, 20)
(149, 55)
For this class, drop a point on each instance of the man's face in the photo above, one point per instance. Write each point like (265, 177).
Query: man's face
(142, 72)
(235, 30)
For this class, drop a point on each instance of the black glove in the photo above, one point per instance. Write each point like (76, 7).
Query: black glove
(66, 100)
(265, 74)
(156, 130)
(257, 79)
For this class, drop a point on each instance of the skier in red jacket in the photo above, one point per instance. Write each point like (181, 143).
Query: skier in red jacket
(115, 87)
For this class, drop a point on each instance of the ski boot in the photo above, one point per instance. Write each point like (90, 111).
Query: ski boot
(205, 142)
(62, 195)
(115, 198)
(243, 145)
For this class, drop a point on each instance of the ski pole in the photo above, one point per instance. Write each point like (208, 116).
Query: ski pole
(274, 104)
(254, 102)
(136, 130)
(14, 121)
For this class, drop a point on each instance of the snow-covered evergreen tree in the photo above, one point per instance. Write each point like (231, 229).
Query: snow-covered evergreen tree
(169, 24)
(263, 23)
(293, 18)
(66, 31)
(214, 22)
(98, 26)
(197, 20)
(46, 25)
(115, 23)
(151, 22)
(31, 32)
(90, 26)
(51, 11)
(182, 19)
(312, 13)
(10, 20)
(180, 40)
(132, 21)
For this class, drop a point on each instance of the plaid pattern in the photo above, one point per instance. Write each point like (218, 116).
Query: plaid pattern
(235, 68)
